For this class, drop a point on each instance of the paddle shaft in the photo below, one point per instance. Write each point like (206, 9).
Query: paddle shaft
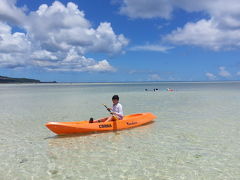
(110, 112)
(107, 108)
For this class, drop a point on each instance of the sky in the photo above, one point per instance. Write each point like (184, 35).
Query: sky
(120, 40)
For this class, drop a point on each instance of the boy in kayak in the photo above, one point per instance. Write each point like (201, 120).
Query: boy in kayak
(116, 111)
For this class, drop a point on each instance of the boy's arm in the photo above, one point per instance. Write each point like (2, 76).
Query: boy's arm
(120, 111)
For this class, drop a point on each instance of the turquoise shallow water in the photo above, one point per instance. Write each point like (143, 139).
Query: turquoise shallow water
(196, 134)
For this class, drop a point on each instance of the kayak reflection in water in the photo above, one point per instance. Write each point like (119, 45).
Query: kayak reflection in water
(116, 112)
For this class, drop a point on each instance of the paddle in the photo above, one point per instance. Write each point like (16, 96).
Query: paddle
(107, 108)
(110, 112)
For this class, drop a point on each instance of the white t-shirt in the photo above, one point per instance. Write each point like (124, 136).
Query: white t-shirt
(117, 109)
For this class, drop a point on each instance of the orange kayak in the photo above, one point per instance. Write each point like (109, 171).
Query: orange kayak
(128, 121)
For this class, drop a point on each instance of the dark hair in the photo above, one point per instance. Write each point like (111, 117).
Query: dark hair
(115, 97)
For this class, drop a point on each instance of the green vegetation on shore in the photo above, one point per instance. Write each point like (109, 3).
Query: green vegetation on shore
(4, 79)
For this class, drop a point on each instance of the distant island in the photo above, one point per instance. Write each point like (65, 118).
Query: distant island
(4, 79)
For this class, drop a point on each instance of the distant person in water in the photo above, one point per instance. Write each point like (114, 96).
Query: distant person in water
(116, 111)
(155, 89)
(169, 89)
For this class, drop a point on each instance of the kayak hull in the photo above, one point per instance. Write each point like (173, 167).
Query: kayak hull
(128, 121)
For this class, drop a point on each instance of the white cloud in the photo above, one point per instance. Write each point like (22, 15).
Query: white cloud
(165, 8)
(105, 40)
(10, 13)
(238, 73)
(223, 72)
(72, 61)
(211, 76)
(146, 8)
(220, 31)
(43, 55)
(101, 66)
(12, 42)
(148, 47)
(67, 27)
(14, 48)
(82, 65)
(154, 77)
(57, 37)
(13, 60)
(206, 33)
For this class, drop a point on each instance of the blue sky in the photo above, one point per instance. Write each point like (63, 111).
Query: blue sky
(120, 40)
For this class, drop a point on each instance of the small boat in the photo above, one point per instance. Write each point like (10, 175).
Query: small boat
(128, 121)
